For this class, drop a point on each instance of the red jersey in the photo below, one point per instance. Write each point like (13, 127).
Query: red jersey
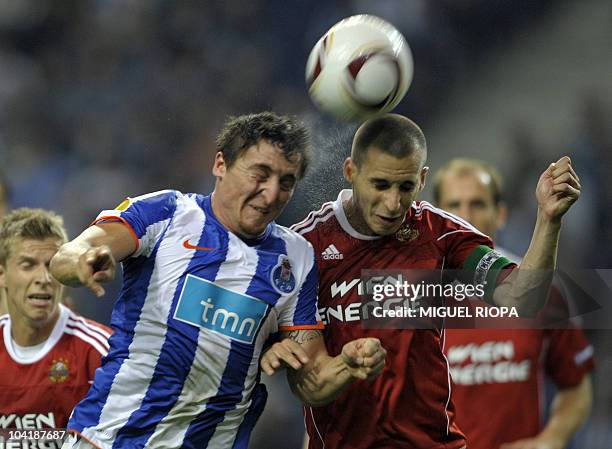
(499, 374)
(41, 390)
(408, 406)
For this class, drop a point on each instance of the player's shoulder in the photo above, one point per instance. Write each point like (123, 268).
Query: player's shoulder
(316, 220)
(291, 238)
(87, 334)
(156, 197)
(160, 201)
(171, 201)
(439, 221)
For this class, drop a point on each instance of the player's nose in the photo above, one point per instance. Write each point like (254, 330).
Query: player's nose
(271, 191)
(393, 201)
(43, 275)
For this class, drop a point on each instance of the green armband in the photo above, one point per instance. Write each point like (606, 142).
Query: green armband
(486, 264)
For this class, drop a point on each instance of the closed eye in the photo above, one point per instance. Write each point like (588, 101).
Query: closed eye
(287, 183)
(478, 204)
(407, 187)
(381, 185)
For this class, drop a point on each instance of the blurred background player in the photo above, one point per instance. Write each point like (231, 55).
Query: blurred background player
(499, 375)
(378, 224)
(48, 354)
(3, 209)
(4, 195)
(206, 281)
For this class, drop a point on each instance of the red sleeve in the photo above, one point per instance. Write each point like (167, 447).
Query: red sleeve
(570, 356)
(467, 249)
(456, 238)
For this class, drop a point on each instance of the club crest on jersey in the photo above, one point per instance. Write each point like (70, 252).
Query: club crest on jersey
(406, 234)
(59, 370)
(282, 277)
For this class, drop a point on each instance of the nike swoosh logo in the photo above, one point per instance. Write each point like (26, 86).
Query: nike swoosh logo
(188, 245)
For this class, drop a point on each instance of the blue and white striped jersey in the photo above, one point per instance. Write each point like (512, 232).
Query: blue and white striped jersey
(196, 307)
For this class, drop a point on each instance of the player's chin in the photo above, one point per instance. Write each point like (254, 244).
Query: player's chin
(385, 227)
(40, 315)
(255, 226)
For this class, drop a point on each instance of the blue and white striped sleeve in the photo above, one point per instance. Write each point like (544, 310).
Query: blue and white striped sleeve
(146, 217)
(300, 311)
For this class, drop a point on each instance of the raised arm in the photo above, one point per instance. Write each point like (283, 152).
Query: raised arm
(314, 376)
(91, 258)
(527, 287)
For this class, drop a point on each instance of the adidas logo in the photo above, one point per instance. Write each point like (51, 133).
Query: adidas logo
(331, 252)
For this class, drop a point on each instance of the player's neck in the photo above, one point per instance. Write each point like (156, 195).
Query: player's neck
(355, 217)
(24, 333)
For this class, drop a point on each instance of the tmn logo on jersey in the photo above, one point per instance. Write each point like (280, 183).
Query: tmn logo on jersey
(207, 305)
(331, 252)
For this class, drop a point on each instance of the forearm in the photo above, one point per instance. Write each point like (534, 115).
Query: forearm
(569, 410)
(526, 288)
(542, 251)
(321, 383)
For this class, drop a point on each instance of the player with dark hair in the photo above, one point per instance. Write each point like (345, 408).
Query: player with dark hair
(207, 279)
(499, 373)
(378, 224)
(48, 354)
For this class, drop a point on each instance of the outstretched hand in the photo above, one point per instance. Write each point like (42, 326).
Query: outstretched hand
(96, 265)
(558, 188)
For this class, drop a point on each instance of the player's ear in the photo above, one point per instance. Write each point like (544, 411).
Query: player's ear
(219, 166)
(502, 214)
(349, 169)
(423, 177)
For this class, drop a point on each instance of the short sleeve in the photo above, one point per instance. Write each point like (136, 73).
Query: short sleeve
(570, 356)
(300, 311)
(146, 217)
(469, 250)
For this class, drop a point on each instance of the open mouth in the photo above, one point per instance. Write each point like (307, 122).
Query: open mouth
(40, 299)
(388, 220)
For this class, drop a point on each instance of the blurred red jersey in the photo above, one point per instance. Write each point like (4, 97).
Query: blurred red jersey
(499, 374)
(41, 389)
(409, 405)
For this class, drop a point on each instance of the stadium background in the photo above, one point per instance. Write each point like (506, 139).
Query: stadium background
(100, 99)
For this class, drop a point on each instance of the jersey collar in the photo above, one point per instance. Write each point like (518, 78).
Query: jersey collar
(56, 334)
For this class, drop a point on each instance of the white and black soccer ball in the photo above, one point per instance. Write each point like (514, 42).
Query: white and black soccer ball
(360, 68)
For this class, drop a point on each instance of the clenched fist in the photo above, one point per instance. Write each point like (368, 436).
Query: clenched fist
(558, 188)
(364, 358)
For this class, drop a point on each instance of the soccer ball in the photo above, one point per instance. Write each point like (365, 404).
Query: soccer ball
(360, 68)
